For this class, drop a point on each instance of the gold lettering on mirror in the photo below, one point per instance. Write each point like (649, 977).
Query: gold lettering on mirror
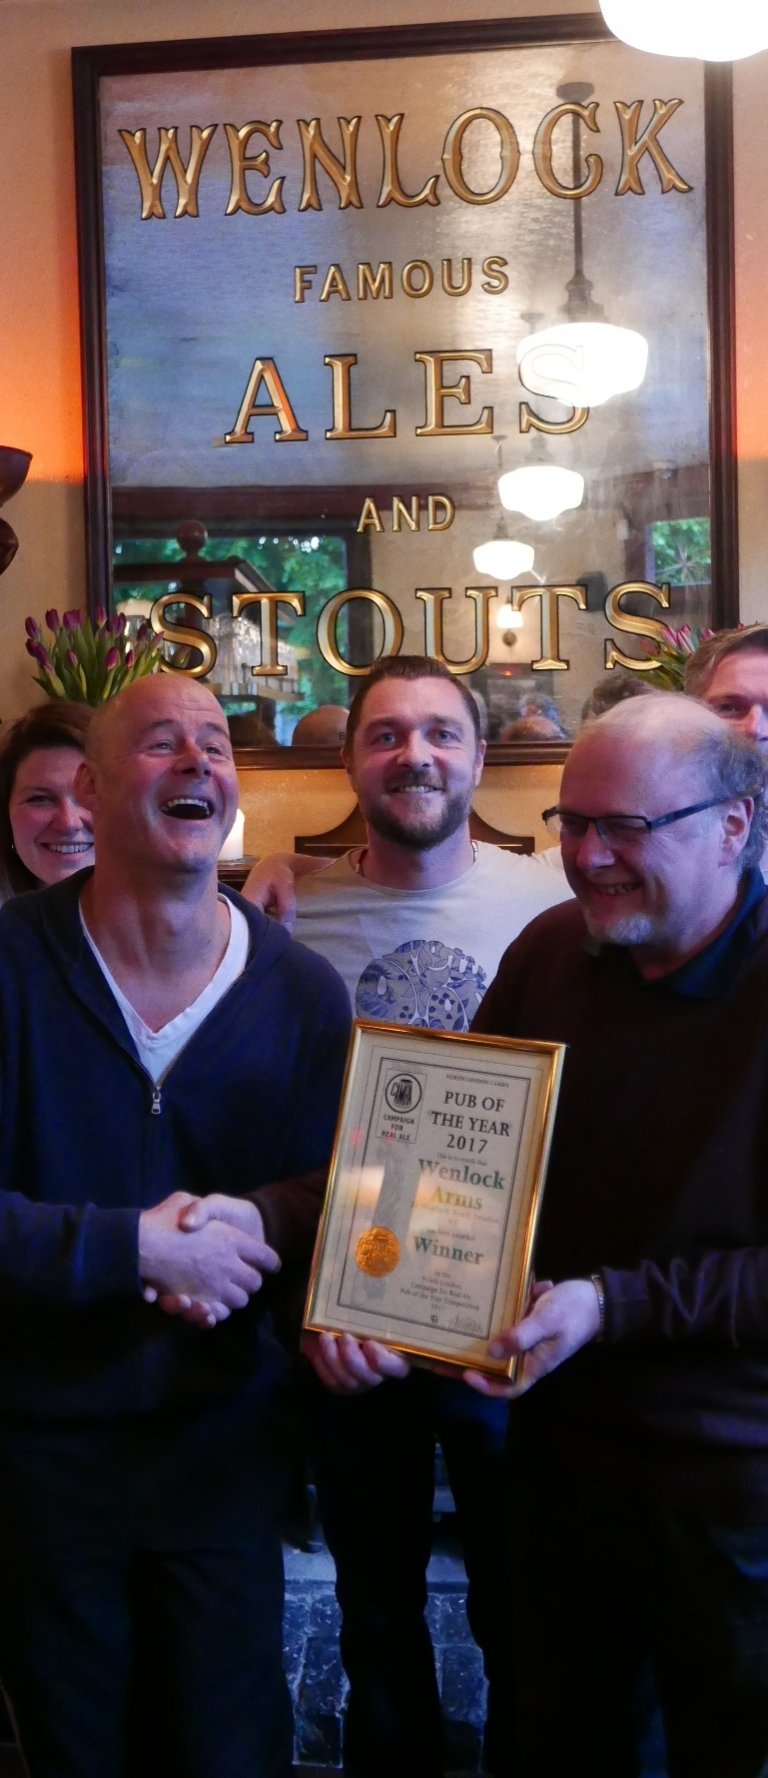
(187, 177)
(401, 513)
(391, 188)
(335, 284)
(542, 151)
(634, 626)
(530, 422)
(496, 280)
(452, 158)
(375, 284)
(243, 163)
(343, 174)
(341, 364)
(433, 599)
(449, 512)
(268, 604)
(328, 619)
(436, 392)
(265, 371)
(441, 512)
(183, 634)
(549, 660)
(634, 146)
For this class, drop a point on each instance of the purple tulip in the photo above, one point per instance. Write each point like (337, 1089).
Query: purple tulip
(52, 619)
(101, 617)
(143, 633)
(71, 658)
(118, 624)
(72, 620)
(129, 657)
(112, 660)
(41, 655)
(33, 629)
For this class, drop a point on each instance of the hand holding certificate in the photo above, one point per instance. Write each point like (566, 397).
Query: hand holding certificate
(427, 1232)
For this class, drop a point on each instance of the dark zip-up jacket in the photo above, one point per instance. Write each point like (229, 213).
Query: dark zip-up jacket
(86, 1143)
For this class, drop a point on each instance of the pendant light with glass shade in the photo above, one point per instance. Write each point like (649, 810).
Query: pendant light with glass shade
(706, 30)
(502, 557)
(583, 360)
(541, 490)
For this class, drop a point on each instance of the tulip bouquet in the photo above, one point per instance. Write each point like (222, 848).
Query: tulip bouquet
(90, 661)
(672, 654)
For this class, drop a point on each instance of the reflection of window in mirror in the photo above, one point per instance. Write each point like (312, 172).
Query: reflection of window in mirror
(679, 551)
(264, 711)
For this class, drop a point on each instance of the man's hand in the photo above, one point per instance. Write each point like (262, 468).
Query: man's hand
(271, 885)
(563, 1318)
(349, 1366)
(203, 1257)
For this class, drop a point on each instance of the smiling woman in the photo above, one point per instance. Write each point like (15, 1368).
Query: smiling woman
(45, 833)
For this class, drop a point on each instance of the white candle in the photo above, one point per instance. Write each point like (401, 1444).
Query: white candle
(233, 844)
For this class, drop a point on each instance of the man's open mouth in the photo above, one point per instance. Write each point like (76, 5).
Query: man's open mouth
(188, 808)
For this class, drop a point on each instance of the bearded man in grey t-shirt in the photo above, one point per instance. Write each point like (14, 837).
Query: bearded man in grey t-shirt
(415, 921)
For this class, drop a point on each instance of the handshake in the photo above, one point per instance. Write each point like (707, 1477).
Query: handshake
(203, 1257)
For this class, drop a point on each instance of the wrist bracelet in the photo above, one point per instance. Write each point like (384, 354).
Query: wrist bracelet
(596, 1280)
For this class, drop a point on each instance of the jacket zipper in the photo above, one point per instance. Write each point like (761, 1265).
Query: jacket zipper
(156, 1106)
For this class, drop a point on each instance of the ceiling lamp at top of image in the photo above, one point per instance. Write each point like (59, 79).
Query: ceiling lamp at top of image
(541, 490)
(709, 30)
(582, 360)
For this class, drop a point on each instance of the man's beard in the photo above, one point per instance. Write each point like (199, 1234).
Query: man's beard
(633, 929)
(421, 833)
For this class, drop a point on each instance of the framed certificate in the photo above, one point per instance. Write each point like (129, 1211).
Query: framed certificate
(436, 1181)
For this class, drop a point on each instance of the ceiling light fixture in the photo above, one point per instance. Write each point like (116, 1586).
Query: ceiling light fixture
(583, 360)
(502, 557)
(710, 30)
(541, 490)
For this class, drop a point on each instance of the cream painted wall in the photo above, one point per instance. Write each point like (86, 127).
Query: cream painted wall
(40, 375)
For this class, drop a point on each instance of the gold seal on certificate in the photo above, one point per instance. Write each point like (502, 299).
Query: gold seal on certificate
(435, 1186)
(377, 1252)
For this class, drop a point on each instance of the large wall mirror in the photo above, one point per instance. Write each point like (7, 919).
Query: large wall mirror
(407, 340)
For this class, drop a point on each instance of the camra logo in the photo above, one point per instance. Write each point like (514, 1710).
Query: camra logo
(403, 1092)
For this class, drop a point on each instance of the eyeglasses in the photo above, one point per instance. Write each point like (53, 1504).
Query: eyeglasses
(622, 827)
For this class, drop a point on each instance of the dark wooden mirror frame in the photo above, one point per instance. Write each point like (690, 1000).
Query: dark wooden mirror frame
(90, 65)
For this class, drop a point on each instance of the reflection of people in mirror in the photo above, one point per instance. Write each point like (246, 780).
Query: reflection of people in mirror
(324, 727)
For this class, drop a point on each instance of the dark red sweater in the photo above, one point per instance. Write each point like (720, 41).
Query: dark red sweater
(658, 1178)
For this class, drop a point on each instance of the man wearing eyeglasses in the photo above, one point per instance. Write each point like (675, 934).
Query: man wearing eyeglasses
(639, 1473)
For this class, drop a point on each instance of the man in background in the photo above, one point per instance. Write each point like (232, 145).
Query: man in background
(159, 1040)
(729, 672)
(415, 922)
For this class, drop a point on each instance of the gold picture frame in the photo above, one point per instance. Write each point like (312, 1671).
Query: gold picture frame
(427, 1233)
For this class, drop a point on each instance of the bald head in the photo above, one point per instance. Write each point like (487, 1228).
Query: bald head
(159, 779)
(660, 721)
(651, 755)
(145, 700)
(661, 813)
(324, 727)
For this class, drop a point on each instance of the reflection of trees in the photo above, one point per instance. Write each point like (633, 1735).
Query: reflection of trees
(682, 551)
(315, 565)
